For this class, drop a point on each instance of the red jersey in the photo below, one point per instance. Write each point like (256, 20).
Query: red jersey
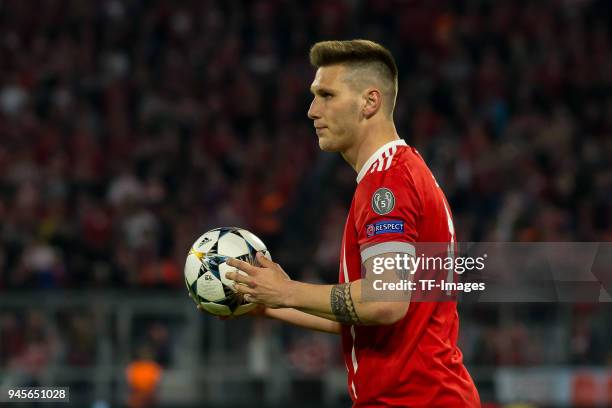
(414, 362)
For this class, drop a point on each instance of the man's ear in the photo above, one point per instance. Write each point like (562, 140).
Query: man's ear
(372, 102)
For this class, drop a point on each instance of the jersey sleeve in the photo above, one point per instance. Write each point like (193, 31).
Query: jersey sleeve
(388, 210)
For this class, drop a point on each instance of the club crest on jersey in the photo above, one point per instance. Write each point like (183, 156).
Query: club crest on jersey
(385, 227)
(383, 201)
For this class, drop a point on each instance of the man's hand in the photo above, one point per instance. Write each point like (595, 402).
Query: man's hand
(260, 310)
(267, 285)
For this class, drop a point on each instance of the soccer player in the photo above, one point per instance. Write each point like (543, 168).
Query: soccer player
(398, 354)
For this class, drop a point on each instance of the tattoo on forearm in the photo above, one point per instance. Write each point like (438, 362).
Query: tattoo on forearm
(403, 273)
(342, 304)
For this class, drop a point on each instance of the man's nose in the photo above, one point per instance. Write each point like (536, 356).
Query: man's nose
(313, 112)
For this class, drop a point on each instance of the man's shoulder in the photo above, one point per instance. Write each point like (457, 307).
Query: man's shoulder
(393, 168)
(388, 188)
(407, 177)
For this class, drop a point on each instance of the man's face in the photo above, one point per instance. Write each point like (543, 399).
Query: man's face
(334, 109)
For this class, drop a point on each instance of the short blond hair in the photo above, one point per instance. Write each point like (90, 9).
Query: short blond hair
(361, 55)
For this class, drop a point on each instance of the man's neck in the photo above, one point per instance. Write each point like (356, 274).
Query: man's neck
(366, 146)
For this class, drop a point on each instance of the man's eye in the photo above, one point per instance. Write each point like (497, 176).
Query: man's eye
(326, 95)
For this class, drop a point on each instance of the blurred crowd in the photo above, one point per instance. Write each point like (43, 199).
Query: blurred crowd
(128, 128)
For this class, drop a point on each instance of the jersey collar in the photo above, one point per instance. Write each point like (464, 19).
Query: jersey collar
(377, 155)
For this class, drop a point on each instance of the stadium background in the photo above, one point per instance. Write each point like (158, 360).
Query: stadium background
(128, 128)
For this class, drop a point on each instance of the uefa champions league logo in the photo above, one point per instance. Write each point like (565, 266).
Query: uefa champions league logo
(383, 201)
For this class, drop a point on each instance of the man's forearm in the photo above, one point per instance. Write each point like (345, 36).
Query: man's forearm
(305, 320)
(332, 304)
(343, 303)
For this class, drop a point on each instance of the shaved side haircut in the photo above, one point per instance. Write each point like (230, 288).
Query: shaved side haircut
(369, 64)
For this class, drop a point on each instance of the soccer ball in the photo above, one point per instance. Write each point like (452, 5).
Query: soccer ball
(205, 269)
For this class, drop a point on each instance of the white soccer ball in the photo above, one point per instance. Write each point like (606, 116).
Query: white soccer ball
(205, 269)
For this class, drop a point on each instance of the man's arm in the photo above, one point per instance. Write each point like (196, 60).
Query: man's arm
(342, 303)
(302, 319)
(291, 316)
